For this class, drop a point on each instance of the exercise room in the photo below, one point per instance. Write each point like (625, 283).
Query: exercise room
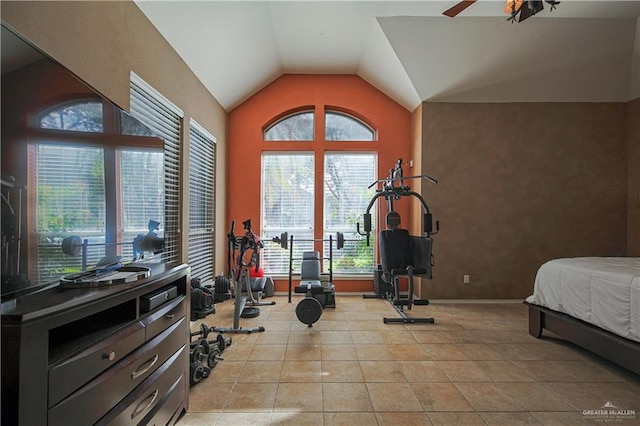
(321, 213)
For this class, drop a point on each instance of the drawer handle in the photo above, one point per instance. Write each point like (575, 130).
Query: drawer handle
(170, 316)
(139, 410)
(144, 368)
(110, 356)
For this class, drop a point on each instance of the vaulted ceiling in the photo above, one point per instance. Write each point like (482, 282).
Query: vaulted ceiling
(584, 51)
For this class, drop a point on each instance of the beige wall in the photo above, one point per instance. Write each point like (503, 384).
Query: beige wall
(519, 184)
(416, 185)
(416, 225)
(102, 42)
(633, 205)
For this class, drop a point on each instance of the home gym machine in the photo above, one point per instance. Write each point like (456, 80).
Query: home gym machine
(319, 290)
(243, 254)
(401, 254)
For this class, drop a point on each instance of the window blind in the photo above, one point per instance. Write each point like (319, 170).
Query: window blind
(347, 177)
(202, 203)
(287, 206)
(70, 192)
(165, 119)
(141, 178)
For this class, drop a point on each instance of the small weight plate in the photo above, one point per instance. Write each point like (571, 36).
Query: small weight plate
(250, 312)
(72, 246)
(309, 310)
(213, 357)
(197, 353)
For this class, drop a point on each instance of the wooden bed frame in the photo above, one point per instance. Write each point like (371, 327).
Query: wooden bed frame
(619, 350)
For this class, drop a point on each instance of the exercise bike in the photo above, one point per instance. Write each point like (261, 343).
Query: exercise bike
(243, 254)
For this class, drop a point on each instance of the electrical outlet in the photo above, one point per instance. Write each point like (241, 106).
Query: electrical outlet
(466, 279)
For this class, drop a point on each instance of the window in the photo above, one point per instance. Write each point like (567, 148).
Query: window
(74, 116)
(131, 126)
(89, 189)
(288, 193)
(70, 200)
(287, 206)
(165, 120)
(347, 177)
(295, 127)
(141, 177)
(339, 126)
(202, 203)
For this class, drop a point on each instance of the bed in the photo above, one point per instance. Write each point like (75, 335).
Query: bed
(593, 302)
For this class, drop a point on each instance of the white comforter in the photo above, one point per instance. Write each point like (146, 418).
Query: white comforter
(603, 291)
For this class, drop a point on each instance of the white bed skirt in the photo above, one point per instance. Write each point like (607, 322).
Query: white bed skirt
(603, 291)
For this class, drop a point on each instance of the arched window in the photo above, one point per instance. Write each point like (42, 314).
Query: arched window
(82, 116)
(339, 126)
(290, 186)
(131, 126)
(90, 186)
(294, 127)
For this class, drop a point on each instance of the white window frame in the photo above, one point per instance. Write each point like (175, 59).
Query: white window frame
(165, 119)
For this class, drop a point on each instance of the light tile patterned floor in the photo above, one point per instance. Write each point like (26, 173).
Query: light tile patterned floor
(476, 365)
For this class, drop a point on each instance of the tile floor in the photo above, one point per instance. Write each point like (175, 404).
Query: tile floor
(476, 365)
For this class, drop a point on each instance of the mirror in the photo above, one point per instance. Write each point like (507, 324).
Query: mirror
(82, 180)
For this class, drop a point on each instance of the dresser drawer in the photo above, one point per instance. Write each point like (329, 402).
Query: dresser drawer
(165, 316)
(97, 397)
(168, 408)
(154, 391)
(70, 374)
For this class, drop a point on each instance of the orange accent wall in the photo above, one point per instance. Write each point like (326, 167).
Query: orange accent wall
(348, 93)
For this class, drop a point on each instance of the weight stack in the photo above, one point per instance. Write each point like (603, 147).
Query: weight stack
(221, 291)
(380, 287)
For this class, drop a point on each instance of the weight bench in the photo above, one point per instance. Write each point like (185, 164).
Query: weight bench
(319, 294)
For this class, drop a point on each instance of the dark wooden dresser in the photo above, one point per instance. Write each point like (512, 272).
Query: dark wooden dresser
(104, 355)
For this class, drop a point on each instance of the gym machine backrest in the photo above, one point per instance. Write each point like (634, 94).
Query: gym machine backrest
(398, 250)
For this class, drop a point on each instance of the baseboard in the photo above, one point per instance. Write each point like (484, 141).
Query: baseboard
(431, 300)
(451, 301)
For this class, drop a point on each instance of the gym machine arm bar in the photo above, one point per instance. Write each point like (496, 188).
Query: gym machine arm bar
(390, 180)
(399, 192)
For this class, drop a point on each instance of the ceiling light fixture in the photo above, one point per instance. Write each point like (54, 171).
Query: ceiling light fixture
(518, 10)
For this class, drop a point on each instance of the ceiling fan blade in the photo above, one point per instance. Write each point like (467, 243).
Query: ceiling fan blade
(531, 8)
(452, 12)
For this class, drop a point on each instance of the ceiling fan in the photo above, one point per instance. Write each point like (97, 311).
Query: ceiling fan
(516, 9)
